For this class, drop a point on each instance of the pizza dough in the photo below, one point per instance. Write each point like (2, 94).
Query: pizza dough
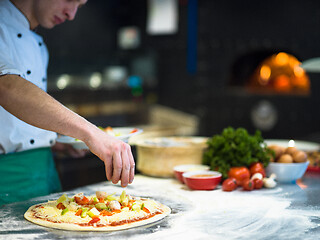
(101, 212)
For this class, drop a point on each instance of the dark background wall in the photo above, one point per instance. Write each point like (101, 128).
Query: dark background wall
(232, 38)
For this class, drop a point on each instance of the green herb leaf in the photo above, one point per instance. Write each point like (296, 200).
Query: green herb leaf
(235, 148)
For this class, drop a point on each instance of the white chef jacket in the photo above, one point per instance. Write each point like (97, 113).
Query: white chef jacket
(23, 53)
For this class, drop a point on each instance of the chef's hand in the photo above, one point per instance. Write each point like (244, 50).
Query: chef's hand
(115, 154)
(68, 150)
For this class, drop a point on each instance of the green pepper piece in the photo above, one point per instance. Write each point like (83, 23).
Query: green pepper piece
(64, 211)
(135, 207)
(101, 206)
(90, 214)
(84, 212)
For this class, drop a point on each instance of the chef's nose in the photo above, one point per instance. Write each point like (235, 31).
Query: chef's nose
(71, 13)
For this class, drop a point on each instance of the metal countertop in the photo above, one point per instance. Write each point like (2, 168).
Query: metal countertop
(289, 211)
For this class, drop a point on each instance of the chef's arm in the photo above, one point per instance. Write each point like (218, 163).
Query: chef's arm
(34, 106)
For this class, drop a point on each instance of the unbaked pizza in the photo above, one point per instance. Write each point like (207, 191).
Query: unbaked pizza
(101, 212)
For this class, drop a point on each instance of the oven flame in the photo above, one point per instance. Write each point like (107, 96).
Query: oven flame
(280, 73)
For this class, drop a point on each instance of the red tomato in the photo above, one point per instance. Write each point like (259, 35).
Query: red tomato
(78, 213)
(95, 219)
(81, 200)
(116, 211)
(257, 168)
(60, 206)
(239, 173)
(248, 185)
(229, 184)
(105, 213)
(258, 183)
(146, 210)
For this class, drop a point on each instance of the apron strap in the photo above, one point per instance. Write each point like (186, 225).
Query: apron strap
(27, 174)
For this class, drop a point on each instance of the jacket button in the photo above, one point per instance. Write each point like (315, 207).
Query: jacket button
(28, 72)
(19, 35)
(32, 141)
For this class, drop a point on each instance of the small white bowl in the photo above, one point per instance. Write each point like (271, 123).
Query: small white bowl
(287, 172)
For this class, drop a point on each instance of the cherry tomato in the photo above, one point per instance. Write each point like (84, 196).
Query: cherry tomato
(257, 168)
(258, 183)
(239, 173)
(229, 184)
(248, 185)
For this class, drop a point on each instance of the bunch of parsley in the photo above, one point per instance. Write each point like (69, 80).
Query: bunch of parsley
(235, 148)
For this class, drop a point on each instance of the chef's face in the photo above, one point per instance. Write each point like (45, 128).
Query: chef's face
(49, 13)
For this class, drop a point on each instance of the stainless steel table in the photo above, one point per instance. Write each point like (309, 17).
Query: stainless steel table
(289, 211)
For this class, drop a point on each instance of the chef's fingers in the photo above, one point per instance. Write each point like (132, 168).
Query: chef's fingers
(117, 166)
(132, 166)
(109, 166)
(125, 167)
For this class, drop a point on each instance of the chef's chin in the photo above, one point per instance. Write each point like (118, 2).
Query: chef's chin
(48, 25)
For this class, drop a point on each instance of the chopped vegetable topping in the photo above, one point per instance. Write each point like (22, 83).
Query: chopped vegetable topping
(123, 196)
(126, 209)
(78, 213)
(82, 200)
(84, 212)
(60, 206)
(146, 210)
(111, 197)
(95, 219)
(101, 206)
(64, 211)
(93, 212)
(116, 211)
(63, 198)
(106, 213)
(101, 195)
(94, 206)
(135, 206)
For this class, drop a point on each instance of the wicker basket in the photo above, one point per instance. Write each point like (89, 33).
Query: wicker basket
(158, 159)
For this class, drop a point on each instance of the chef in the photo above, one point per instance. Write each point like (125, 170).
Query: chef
(29, 118)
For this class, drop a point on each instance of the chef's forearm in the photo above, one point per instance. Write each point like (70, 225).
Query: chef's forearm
(34, 106)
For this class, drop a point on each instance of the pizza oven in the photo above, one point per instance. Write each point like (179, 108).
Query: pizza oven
(268, 90)
(268, 72)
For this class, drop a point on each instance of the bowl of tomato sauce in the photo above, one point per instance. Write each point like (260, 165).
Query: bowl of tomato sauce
(179, 170)
(202, 180)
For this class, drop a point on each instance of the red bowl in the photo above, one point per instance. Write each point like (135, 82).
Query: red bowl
(202, 180)
(181, 169)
